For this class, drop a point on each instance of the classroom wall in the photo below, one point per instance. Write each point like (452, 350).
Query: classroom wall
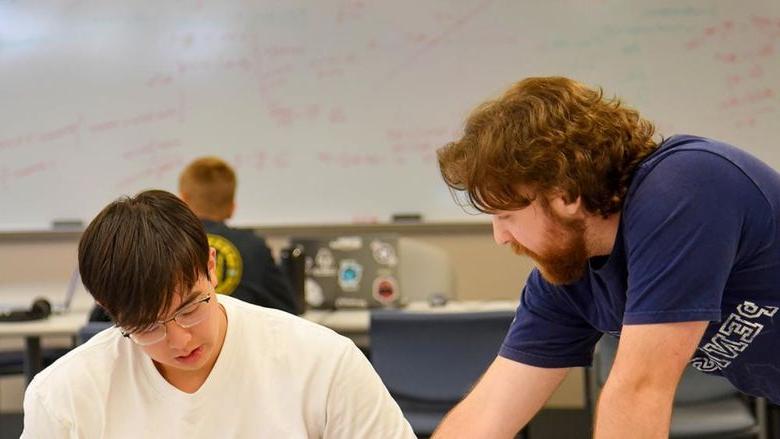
(483, 271)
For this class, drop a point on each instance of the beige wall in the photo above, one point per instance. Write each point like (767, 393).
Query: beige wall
(37, 260)
(483, 271)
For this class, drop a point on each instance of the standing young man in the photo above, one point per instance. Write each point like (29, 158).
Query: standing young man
(673, 246)
(185, 362)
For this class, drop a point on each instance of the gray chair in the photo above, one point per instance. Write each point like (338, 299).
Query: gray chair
(429, 361)
(90, 330)
(12, 362)
(705, 406)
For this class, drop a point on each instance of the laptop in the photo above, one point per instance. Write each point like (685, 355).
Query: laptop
(73, 285)
(351, 271)
(22, 309)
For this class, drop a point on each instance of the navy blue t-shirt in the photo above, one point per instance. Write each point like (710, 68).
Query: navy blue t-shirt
(697, 240)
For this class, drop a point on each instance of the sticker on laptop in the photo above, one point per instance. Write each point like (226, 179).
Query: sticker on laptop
(313, 292)
(324, 263)
(385, 289)
(350, 272)
(384, 253)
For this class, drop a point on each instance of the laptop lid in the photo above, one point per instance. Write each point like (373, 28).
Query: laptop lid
(351, 271)
(73, 284)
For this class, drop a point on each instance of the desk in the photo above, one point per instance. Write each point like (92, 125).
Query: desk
(32, 331)
(66, 324)
(354, 323)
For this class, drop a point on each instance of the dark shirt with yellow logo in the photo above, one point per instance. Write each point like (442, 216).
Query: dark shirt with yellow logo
(246, 269)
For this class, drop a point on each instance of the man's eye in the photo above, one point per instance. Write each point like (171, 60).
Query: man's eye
(188, 310)
(148, 329)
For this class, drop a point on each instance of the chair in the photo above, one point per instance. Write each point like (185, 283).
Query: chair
(12, 362)
(424, 270)
(429, 361)
(90, 330)
(705, 406)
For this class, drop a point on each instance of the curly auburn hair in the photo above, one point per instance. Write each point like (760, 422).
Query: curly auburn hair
(545, 134)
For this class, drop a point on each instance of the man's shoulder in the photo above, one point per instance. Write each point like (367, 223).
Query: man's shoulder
(691, 157)
(689, 166)
(85, 368)
(287, 331)
(235, 236)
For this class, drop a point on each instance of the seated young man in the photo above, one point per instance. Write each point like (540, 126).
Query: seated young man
(185, 362)
(245, 267)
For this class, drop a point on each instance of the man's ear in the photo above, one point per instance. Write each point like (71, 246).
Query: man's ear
(561, 206)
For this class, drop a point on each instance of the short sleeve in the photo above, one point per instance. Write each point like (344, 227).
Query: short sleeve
(682, 227)
(39, 422)
(548, 331)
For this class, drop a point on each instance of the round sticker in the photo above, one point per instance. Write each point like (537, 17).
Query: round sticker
(385, 289)
(229, 267)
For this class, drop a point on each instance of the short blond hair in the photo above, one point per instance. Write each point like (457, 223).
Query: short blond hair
(209, 186)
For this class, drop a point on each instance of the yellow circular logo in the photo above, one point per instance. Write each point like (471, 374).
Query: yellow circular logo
(229, 264)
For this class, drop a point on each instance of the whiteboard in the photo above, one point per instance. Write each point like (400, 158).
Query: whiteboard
(331, 111)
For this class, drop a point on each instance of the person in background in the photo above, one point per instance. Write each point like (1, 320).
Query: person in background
(185, 362)
(245, 267)
(672, 245)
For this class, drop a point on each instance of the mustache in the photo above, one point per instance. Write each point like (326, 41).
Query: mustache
(518, 249)
(559, 268)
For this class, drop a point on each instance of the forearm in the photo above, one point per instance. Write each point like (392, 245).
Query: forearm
(504, 400)
(470, 419)
(625, 411)
(637, 399)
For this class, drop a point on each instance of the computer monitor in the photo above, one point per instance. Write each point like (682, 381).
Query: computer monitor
(351, 271)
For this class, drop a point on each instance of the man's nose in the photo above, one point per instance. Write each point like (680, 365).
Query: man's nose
(500, 235)
(177, 337)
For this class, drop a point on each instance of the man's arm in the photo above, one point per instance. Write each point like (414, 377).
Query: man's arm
(637, 399)
(504, 400)
(39, 422)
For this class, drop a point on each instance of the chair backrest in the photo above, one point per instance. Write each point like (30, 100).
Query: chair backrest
(424, 270)
(434, 357)
(694, 386)
(91, 329)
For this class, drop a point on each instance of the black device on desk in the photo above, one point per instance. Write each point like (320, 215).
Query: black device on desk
(40, 309)
(351, 271)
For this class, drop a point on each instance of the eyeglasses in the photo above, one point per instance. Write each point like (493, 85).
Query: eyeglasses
(186, 317)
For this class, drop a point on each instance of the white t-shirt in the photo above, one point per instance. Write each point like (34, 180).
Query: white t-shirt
(277, 376)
